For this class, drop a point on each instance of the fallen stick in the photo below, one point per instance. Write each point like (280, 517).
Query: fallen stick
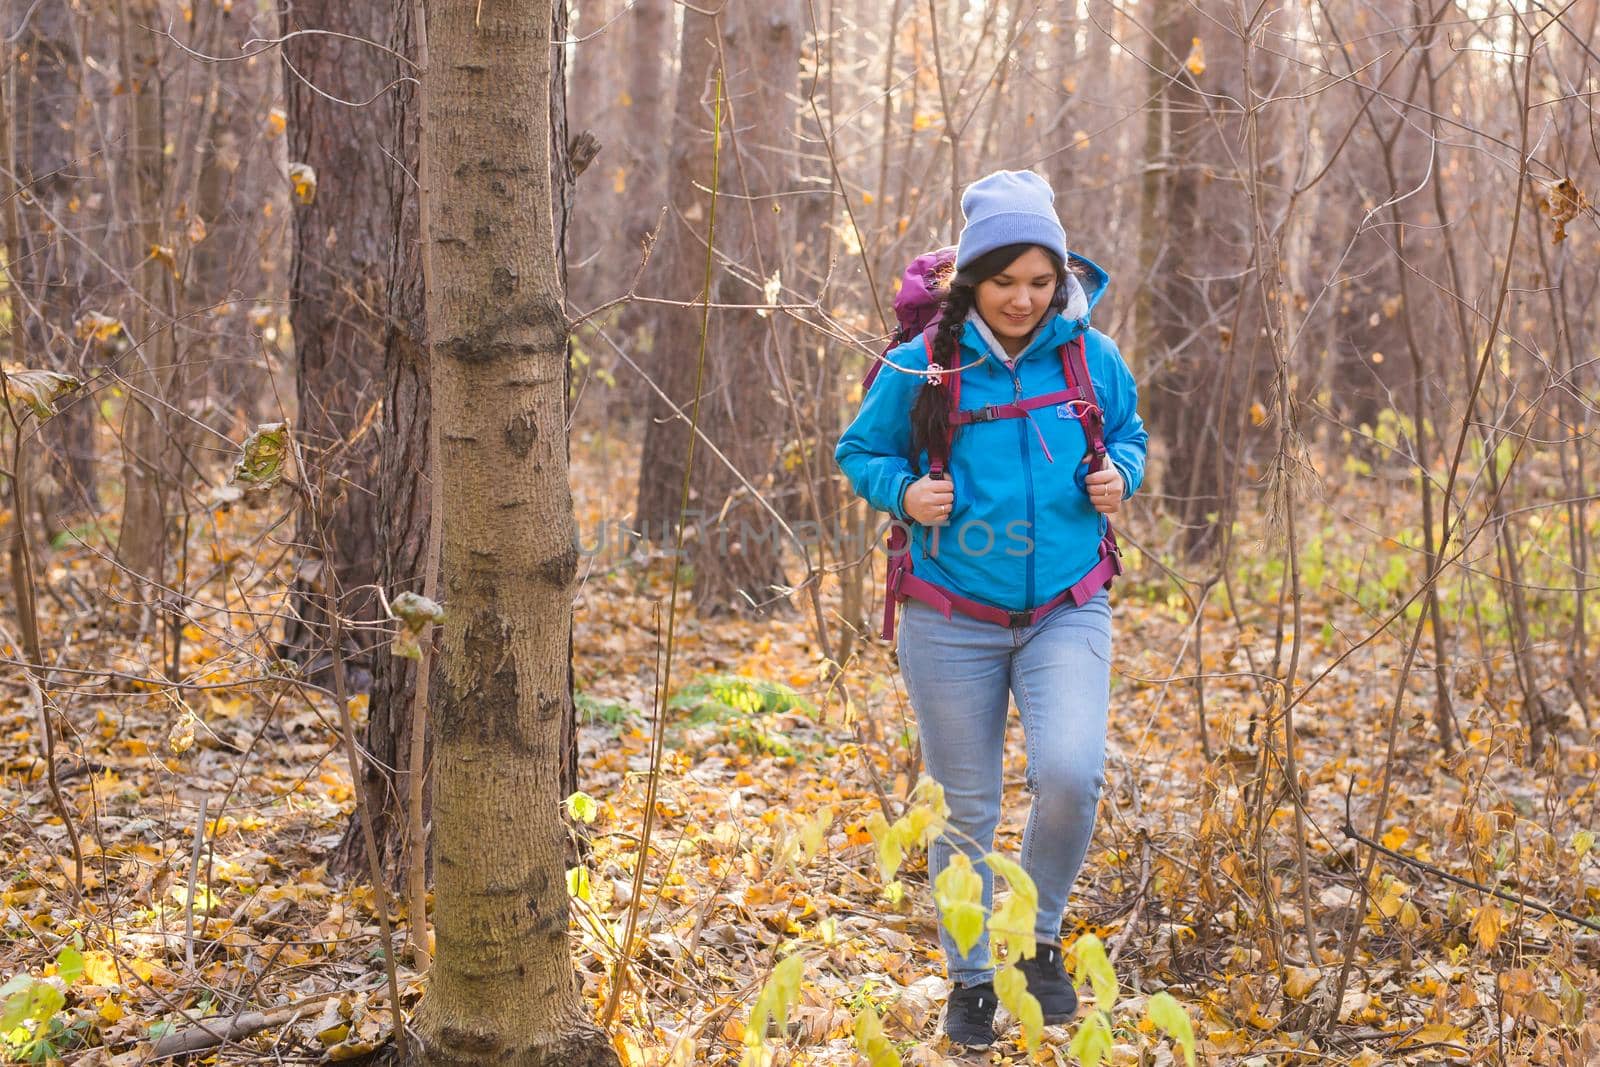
(218, 1031)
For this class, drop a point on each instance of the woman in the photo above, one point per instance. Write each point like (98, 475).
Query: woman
(1011, 548)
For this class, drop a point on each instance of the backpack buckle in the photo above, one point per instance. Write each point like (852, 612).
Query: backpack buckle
(987, 413)
(1018, 619)
(1109, 547)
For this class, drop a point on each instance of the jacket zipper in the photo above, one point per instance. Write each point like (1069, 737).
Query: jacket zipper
(1027, 481)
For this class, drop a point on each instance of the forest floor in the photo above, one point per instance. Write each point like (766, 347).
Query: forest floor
(763, 845)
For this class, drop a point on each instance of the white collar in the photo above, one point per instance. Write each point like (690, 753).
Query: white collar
(996, 349)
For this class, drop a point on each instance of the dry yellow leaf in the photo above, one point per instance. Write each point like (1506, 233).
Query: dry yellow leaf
(304, 179)
(1196, 63)
(1301, 980)
(1487, 926)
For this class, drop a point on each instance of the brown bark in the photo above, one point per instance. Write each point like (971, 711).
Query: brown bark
(563, 189)
(404, 487)
(1203, 320)
(149, 473)
(649, 68)
(49, 269)
(501, 989)
(400, 476)
(345, 246)
(738, 559)
(677, 272)
(738, 553)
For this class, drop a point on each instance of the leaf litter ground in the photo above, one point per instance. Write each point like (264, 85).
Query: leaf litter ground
(1193, 880)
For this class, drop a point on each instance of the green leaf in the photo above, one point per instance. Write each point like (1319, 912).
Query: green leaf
(415, 613)
(1092, 1041)
(1096, 967)
(1011, 926)
(16, 1003)
(1012, 923)
(814, 832)
(578, 882)
(929, 811)
(69, 964)
(1165, 1012)
(874, 1047)
(889, 851)
(959, 893)
(1012, 988)
(582, 806)
(261, 458)
(777, 997)
(46, 1001)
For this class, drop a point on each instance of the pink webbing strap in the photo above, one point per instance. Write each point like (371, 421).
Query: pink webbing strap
(1016, 409)
(1075, 365)
(944, 601)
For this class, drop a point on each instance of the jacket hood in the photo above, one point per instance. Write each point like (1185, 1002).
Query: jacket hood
(1092, 280)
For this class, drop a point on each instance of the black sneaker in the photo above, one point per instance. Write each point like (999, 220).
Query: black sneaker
(1048, 981)
(969, 1015)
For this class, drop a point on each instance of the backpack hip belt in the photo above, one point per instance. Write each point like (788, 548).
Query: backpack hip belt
(904, 584)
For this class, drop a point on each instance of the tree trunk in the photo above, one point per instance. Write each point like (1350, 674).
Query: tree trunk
(404, 486)
(649, 61)
(51, 270)
(344, 246)
(501, 989)
(563, 188)
(678, 272)
(1203, 313)
(738, 552)
(148, 477)
(401, 476)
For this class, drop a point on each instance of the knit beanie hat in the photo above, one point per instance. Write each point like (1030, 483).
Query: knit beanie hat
(1009, 207)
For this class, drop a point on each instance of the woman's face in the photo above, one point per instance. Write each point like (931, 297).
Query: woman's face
(1013, 301)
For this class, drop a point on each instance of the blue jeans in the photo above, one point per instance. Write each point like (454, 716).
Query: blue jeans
(959, 673)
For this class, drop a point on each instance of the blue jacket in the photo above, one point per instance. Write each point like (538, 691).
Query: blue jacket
(1021, 529)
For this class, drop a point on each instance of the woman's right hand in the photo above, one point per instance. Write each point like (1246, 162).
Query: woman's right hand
(928, 500)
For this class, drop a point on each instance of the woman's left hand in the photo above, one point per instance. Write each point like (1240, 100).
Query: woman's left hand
(1105, 489)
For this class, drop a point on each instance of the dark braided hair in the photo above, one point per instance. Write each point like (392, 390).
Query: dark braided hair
(930, 414)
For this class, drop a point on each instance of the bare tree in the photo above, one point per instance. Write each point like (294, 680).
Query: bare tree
(756, 50)
(343, 126)
(501, 988)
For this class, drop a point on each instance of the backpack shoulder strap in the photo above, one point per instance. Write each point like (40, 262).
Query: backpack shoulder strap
(1075, 365)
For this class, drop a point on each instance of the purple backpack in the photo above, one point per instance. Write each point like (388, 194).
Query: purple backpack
(916, 305)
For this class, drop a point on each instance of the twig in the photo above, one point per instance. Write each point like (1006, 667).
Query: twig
(658, 726)
(1466, 883)
(194, 875)
(416, 847)
(380, 888)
